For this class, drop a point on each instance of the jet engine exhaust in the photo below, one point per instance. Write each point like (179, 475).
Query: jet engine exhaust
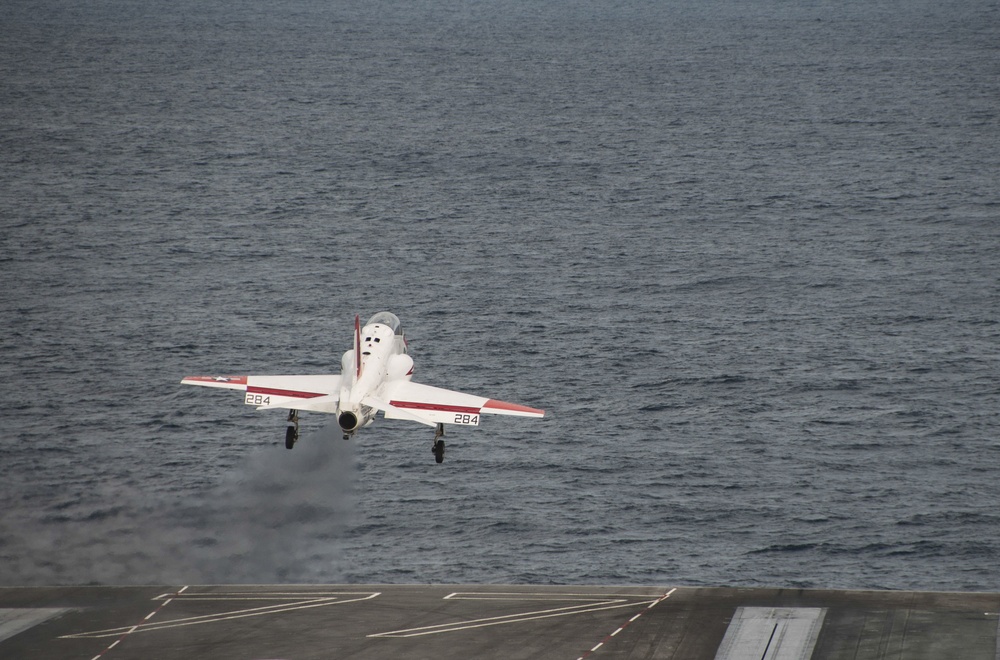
(348, 421)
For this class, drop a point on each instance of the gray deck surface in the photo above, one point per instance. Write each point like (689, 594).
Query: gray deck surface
(495, 621)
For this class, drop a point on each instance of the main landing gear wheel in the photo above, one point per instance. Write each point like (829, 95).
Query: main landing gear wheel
(292, 432)
(438, 447)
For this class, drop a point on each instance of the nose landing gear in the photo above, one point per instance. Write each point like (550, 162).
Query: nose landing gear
(438, 448)
(292, 432)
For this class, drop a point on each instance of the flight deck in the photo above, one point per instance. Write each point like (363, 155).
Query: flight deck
(438, 622)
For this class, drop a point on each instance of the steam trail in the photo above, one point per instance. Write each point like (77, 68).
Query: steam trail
(276, 519)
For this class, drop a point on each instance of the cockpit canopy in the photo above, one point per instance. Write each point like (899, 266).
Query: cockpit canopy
(387, 319)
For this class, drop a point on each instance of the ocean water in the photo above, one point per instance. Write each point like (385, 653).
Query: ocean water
(746, 255)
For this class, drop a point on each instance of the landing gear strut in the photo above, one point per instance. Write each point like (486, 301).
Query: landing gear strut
(292, 432)
(438, 447)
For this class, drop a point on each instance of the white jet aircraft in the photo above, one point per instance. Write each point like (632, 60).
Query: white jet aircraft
(375, 375)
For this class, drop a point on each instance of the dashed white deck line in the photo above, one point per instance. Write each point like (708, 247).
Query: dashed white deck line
(129, 631)
(301, 604)
(630, 621)
(588, 603)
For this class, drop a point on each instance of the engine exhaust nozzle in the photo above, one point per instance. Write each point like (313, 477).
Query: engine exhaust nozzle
(348, 421)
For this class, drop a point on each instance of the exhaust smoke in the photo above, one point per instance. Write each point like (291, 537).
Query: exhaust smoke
(277, 517)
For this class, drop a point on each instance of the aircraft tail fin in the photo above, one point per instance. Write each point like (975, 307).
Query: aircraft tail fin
(357, 346)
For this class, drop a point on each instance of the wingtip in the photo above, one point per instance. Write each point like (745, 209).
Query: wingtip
(217, 380)
(495, 405)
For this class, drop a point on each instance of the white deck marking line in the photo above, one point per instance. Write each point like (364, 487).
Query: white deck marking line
(556, 598)
(223, 616)
(592, 606)
(522, 596)
(131, 630)
(195, 595)
(256, 611)
(630, 621)
(226, 616)
(265, 595)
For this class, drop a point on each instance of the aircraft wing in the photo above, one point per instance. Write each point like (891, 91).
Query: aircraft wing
(315, 393)
(409, 400)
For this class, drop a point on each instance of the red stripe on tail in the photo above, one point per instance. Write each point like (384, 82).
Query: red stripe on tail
(357, 346)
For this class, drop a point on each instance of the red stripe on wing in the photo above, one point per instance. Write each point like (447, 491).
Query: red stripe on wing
(273, 391)
(443, 407)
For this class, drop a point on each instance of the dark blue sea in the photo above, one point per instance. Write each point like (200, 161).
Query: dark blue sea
(745, 254)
